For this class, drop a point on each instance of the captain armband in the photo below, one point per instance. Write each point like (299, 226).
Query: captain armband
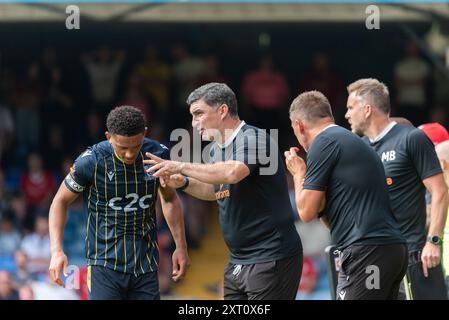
(72, 184)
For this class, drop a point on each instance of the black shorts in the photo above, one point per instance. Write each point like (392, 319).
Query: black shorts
(274, 280)
(371, 272)
(107, 284)
(418, 287)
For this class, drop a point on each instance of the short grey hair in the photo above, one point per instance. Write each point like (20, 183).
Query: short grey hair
(215, 94)
(311, 106)
(373, 92)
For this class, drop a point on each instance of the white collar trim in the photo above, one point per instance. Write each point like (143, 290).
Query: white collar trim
(232, 137)
(384, 131)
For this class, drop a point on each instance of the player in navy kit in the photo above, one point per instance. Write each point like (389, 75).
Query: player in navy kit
(120, 198)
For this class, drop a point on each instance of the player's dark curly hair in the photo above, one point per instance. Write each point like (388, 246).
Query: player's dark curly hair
(125, 121)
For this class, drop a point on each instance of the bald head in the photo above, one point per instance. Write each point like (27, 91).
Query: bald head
(402, 120)
(442, 150)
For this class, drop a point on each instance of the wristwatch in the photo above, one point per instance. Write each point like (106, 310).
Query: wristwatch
(186, 183)
(436, 240)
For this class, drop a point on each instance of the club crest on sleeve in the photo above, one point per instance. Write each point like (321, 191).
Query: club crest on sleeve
(86, 153)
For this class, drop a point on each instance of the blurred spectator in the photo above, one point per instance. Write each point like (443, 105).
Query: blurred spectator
(440, 115)
(316, 237)
(165, 243)
(48, 63)
(22, 276)
(314, 282)
(103, 67)
(26, 292)
(58, 106)
(322, 78)
(165, 265)
(411, 76)
(93, 132)
(156, 131)
(5, 194)
(64, 169)
(136, 96)
(402, 120)
(441, 87)
(37, 247)
(435, 131)
(9, 236)
(27, 98)
(196, 214)
(212, 72)
(265, 93)
(7, 291)
(24, 219)
(7, 82)
(54, 148)
(37, 185)
(186, 71)
(442, 151)
(155, 76)
(437, 134)
(84, 290)
(49, 290)
(6, 130)
(308, 277)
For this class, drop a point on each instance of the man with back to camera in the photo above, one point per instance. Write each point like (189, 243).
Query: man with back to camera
(120, 199)
(344, 183)
(255, 212)
(411, 165)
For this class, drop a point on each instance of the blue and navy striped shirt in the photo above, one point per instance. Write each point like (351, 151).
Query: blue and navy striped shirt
(120, 201)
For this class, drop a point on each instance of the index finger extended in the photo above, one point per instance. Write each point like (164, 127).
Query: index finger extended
(153, 157)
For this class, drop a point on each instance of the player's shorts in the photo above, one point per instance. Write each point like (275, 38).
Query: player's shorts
(107, 284)
(418, 287)
(273, 280)
(371, 272)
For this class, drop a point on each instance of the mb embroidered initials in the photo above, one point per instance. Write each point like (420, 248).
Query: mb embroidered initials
(389, 156)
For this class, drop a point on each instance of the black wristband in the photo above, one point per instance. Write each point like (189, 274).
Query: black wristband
(186, 183)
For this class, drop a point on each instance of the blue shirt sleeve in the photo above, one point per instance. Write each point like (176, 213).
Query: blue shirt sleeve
(165, 152)
(80, 176)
